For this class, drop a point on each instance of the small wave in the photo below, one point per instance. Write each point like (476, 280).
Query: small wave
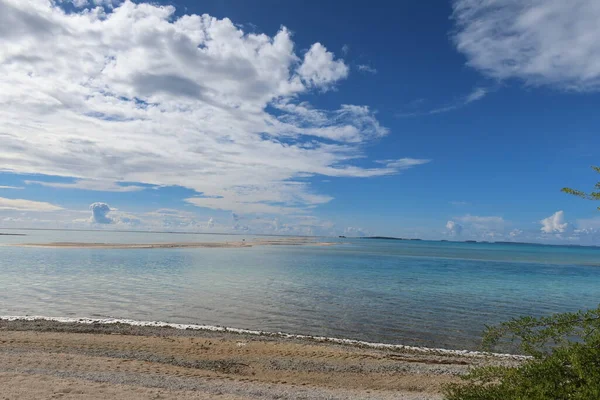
(212, 328)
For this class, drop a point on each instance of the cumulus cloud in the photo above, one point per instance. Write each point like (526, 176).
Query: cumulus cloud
(139, 93)
(100, 213)
(555, 223)
(210, 223)
(541, 42)
(320, 69)
(26, 205)
(453, 228)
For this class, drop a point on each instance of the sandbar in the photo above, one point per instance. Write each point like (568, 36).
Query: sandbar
(182, 245)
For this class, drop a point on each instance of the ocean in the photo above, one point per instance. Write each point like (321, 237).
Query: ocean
(419, 293)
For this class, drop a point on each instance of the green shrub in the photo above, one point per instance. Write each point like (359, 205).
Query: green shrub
(565, 363)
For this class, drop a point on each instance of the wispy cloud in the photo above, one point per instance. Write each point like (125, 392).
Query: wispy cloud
(403, 163)
(26, 205)
(12, 187)
(204, 105)
(475, 95)
(550, 42)
(90, 184)
(366, 68)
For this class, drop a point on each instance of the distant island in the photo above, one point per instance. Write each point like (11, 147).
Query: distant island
(383, 238)
(473, 241)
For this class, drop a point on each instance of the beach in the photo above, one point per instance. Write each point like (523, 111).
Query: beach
(49, 359)
(249, 317)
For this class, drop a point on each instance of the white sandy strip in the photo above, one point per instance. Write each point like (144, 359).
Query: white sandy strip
(351, 342)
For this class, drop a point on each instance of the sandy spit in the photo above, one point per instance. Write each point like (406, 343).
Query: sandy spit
(49, 359)
(184, 245)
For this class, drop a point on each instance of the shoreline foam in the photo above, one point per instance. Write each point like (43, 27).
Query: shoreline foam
(240, 331)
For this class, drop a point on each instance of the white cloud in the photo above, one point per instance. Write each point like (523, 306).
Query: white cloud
(453, 228)
(100, 213)
(320, 69)
(90, 184)
(515, 233)
(366, 68)
(12, 187)
(26, 205)
(140, 94)
(100, 216)
(403, 163)
(105, 3)
(555, 223)
(80, 3)
(210, 223)
(476, 94)
(542, 42)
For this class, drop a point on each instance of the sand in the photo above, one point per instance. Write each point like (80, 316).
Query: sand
(47, 359)
(292, 241)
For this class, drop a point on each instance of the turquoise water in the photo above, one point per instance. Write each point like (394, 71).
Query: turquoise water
(437, 294)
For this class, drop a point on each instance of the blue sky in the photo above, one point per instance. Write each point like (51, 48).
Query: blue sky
(461, 120)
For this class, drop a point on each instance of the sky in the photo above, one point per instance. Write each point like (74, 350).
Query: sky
(450, 119)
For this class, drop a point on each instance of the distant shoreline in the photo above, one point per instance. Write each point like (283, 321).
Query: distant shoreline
(300, 236)
(473, 242)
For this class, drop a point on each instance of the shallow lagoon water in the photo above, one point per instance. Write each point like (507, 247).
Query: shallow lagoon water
(435, 294)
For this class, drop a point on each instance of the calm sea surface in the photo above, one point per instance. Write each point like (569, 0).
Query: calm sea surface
(419, 293)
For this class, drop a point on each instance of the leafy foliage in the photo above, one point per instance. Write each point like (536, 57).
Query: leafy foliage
(588, 196)
(565, 363)
(565, 351)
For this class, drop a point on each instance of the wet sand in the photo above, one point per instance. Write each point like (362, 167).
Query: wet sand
(48, 359)
(184, 245)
